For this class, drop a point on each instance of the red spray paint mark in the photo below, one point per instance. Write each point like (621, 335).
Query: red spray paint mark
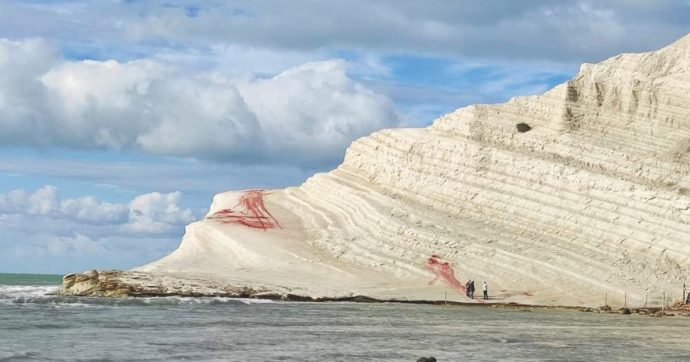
(250, 211)
(442, 270)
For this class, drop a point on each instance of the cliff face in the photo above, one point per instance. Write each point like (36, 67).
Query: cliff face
(594, 198)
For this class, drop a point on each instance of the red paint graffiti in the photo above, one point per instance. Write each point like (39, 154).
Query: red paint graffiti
(250, 211)
(442, 270)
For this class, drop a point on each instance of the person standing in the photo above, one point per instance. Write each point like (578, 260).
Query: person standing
(485, 289)
(467, 288)
(471, 289)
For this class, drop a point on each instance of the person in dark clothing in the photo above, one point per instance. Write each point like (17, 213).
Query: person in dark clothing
(471, 289)
(467, 289)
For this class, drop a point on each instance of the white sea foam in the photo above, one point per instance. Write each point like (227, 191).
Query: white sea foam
(191, 300)
(15, 292)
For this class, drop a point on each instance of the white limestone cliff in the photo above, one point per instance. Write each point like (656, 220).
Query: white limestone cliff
(594, 199)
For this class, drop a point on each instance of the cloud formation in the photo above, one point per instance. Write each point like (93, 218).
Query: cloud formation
(305, 115)
(251, 84)
(518, 29)
(190, 79)
(156, 213)
(153, 213)
(70, 245)
(41, 231)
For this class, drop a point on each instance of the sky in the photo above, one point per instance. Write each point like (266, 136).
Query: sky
(119, 120)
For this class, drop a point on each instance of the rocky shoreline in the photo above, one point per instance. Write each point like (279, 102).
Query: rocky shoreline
(115, 284)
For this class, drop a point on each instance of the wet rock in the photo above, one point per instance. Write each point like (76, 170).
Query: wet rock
(268, 295)
(115, 283)
(523, 127)
(364, 299)
(93, 283)
(426, 359)
(680, 306)
(296, 298)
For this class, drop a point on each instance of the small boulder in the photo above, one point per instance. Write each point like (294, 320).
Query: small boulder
(426, 359)
(523, 127)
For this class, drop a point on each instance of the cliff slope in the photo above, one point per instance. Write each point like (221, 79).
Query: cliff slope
(592, 197)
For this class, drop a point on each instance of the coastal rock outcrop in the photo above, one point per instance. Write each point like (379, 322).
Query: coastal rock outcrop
(591, 197)
(114, 283)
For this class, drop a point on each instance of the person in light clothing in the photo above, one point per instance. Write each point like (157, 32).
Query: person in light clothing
(485, 289)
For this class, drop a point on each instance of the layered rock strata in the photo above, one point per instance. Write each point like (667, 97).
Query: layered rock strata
(560, 198)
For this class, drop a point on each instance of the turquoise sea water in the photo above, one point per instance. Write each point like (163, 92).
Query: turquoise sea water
(35, 325)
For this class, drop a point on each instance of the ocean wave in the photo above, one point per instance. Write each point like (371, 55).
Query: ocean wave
(26, 291)
(180, 301)
(18, 356)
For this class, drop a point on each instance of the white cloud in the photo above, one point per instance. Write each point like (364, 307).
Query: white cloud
(70, 245)
(10, 202)
(519, 29)
(41, 252)
(527, 29)
(41, 245)
(156, 213)
(43, 232)
(312, 107)
(152, 213)
(89, 209)
(306, 114)
(43, 201)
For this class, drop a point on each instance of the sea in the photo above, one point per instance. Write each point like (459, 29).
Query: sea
(36, 324)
